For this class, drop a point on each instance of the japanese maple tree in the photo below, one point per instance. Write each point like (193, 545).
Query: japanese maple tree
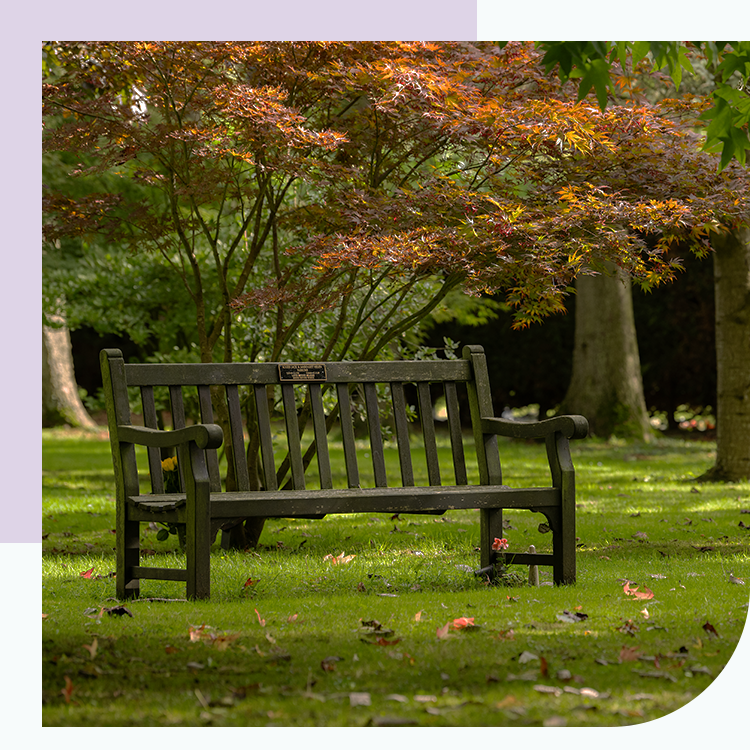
(361, 182)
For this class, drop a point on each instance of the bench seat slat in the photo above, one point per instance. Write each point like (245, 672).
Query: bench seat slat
(291, 503)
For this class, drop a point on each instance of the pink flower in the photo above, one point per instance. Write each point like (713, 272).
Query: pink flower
(499, 544)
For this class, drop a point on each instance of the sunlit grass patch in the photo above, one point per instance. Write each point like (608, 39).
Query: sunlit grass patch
(289, 639)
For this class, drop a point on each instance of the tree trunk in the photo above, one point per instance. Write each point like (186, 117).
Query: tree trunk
(732, 292)
(606, 384)
(61, 403)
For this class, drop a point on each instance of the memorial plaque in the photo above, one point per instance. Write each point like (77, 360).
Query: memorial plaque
(302, 373)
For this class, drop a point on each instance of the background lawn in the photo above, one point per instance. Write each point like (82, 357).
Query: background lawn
(291, 639)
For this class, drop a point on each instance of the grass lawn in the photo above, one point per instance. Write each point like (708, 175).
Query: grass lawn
(291, 639)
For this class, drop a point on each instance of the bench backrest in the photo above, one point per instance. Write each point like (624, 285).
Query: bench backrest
(288, 410)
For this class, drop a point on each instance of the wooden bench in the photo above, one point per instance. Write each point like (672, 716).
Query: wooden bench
(330, 398)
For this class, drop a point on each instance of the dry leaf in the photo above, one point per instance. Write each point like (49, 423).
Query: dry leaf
(91, 648)
(418, 616)
(629, 653)
(710, 629)
(67, 691)
(341, 559)
(260, 619)
(629, 628)
(443, 632)
(87, 573)
(463, 622)
(634, 591)
(526, 657)
(292, 618)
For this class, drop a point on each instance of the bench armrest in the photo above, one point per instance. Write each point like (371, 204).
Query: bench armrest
(571, 426)
(204, 436)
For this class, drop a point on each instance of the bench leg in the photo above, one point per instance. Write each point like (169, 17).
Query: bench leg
(490, 528)
(128, 556)
(198, 526)
(563, 546)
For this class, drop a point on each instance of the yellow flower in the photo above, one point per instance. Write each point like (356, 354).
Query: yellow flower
(169, 464)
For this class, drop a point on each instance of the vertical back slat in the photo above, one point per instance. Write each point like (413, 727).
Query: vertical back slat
(154, 454)
(480, 402)
(238, 438)
(347, 435)
(402, 434)
(293, 436)
(428, 433)
(207, 417)
(454, 425)
(177, 406)
(266, 439)
(321, 436)
(376, 435)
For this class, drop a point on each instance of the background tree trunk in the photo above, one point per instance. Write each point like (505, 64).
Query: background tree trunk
(732, 291)
(61, 403)
(606, 385)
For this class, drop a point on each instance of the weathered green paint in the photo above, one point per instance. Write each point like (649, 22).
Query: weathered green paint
(203, 507)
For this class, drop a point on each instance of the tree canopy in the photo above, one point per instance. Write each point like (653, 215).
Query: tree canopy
(726, 108)
(354, 185)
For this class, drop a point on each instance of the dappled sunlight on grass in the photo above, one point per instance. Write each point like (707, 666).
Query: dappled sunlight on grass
(524, 660)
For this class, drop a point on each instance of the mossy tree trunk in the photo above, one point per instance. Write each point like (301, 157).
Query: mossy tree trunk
(732, 292)
(606, 384)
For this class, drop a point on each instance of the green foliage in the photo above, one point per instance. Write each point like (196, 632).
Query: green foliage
(727, 119)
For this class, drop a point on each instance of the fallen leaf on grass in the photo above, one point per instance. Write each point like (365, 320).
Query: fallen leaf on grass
(67, 691)
(92, 647)
(710, 629)
(329, 663)
(629, 628)
(629, 653)
(118, 610)
(87, 573)
(341, 559)
(250, 582)
(359, 699)
(463, 622)
(550, 689)
(418, 616)
(260, 619)
(292, 618)
(526, 657)
(634, 591)
(543, 667)
(572, 616)
(443, 632)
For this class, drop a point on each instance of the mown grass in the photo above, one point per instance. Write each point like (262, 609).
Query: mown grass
(310, 643)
